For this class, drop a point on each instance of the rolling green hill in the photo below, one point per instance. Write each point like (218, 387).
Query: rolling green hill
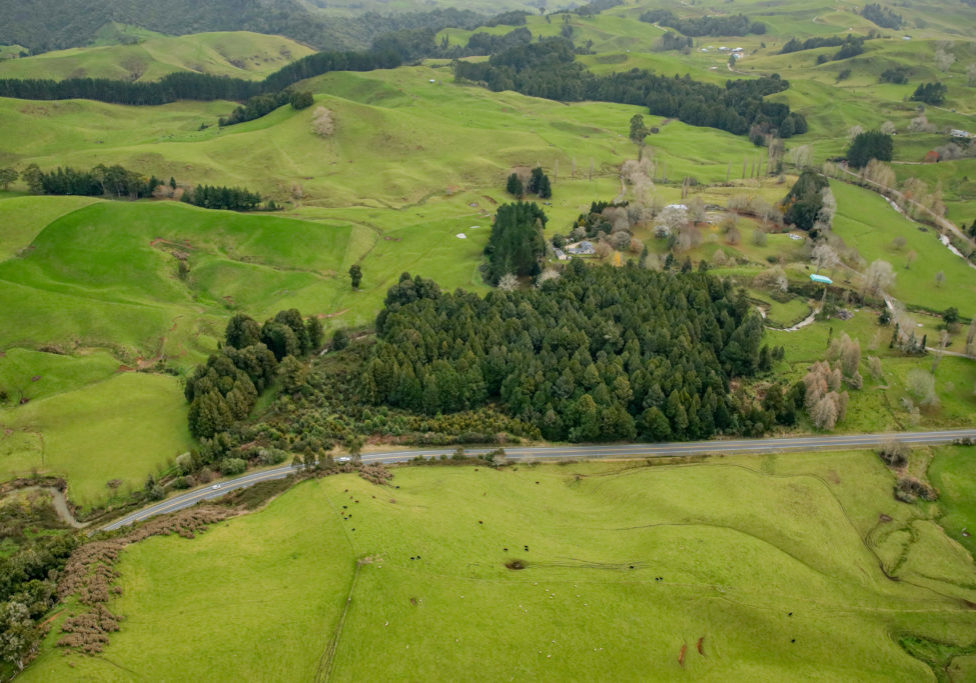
(412, 164)
(238, 54)
(727, 568)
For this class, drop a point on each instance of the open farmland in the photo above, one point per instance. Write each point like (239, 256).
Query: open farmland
(125, 394)
(802, 593)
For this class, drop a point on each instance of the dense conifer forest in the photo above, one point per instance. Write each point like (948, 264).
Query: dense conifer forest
(735, 25)
(194, 86)
(597, 354)
(548, 69)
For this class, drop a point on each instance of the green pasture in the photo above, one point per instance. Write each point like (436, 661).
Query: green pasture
(28, 374)
(399, 139)
(865, 221)
(122, 427)
(238, 54)
(951, 472)
(773, 564)
(106, 275)
(24, 217)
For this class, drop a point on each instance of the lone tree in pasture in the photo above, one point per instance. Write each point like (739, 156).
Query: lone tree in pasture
(638, 131)
(545, 189)
(943, 57)
(355, 275)
(514, 186)
(878, 277)
(7, 176)
(921, 385)
(940, 279)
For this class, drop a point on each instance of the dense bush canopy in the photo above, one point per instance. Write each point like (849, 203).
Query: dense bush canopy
(598, 354)
(547, 69)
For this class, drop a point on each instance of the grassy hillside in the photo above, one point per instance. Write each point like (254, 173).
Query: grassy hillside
(416, 161)
(119, 429)
(237, 54)
(772, 567)
(100, 284)
(399, 139)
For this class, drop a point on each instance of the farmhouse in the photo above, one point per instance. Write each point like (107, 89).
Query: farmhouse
(584, 248)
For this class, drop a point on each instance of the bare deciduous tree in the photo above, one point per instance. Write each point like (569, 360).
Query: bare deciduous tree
(696, 210)
(824, 413)
(878, 277)
(944, 59)
(874, 365)
(888, 128)
(670, 219)
(880, 173)
(848, 352)
(920, 124)
(910, 259)
(824, 401)
(688, 237)
(824, 256)
(508, 282)
(801, 156)
(603, 249)
(772, 278)
(922, 386)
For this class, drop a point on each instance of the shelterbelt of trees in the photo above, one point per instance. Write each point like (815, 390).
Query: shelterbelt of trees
(548, 69)
(194, 86)
(118, 182)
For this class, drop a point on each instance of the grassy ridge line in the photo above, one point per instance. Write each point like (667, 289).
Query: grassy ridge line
(745, 568)
(239, 54)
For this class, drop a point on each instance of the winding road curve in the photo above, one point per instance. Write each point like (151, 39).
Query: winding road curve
(594, 452)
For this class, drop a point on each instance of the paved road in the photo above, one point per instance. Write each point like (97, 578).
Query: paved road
(624, 451)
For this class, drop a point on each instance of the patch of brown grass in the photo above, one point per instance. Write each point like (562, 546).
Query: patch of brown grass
(90, 574)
